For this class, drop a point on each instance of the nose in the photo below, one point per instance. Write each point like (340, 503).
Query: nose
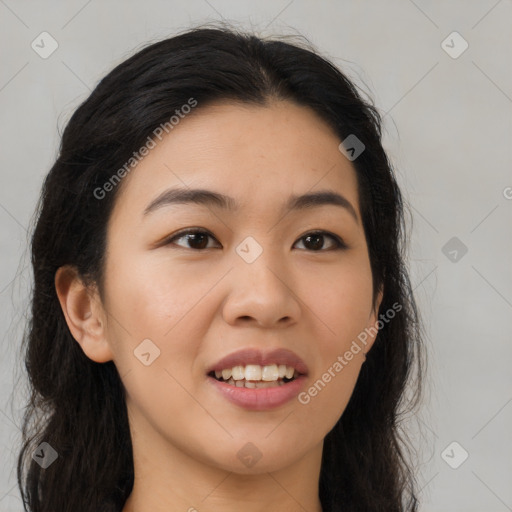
(261, 293)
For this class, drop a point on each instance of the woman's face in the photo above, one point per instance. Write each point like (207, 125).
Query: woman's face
(251, 279)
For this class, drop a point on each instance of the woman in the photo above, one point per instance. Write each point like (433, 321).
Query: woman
(264, 367)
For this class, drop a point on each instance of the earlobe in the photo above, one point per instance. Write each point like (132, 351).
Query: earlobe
(84, 315)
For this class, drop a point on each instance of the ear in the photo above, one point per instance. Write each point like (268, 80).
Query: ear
(84, 314)
(371, 328)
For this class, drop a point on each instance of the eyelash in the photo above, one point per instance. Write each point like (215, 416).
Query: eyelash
(340, 245)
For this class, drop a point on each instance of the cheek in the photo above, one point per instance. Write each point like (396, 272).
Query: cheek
(166, 308)
(342, 307)
(148, 302)
(341, 300)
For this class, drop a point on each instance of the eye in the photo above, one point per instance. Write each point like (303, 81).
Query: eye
(315, 240)
(197, 237)
(198, 240)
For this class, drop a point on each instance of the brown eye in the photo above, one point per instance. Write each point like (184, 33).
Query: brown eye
(197, 239)
(315, 241)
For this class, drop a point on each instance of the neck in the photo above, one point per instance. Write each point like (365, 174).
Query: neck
(170, 480)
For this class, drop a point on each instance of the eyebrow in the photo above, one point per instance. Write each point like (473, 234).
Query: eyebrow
(218, 200)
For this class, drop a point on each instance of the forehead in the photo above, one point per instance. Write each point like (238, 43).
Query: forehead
(259, 155)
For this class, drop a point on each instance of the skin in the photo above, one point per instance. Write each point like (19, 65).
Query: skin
(185, 434)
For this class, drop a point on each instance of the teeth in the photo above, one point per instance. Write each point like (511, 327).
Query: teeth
(252, 372)
(270, 373)
(237, 372)
(254, 385)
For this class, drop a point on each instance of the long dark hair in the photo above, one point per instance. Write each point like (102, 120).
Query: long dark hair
(76, 405)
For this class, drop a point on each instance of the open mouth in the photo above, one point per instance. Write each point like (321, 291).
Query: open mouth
(253, 380)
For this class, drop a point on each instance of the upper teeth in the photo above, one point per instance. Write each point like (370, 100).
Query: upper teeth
(256, 372)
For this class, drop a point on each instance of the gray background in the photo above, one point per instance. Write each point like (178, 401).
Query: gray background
(448, 132)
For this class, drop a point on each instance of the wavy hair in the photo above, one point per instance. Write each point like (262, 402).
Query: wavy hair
(77, 405)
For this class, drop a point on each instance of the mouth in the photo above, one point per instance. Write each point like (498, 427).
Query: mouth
(240, 376)
(256, 376)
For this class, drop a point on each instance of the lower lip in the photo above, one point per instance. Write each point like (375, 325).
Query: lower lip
(261, 399)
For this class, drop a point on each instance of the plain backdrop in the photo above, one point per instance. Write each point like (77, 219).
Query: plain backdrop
(440, 74)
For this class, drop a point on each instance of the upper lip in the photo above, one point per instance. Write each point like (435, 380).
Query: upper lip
(263, 358)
